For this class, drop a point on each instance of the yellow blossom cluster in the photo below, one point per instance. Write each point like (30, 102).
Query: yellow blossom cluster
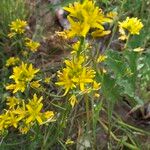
(31, 45)
(129, 26)
(23, 115)
(12, 61)
(85, 16)
(23, 76)
(17, 27)
(76, 76)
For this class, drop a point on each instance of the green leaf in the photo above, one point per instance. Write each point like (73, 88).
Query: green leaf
(110, 89)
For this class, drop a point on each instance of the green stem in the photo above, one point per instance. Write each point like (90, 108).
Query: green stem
(80, 47)
(127, 42)
(116, 24)
(87, 112)
(133, 147)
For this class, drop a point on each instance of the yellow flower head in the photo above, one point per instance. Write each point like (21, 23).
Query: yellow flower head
(100, 33)
(12, 61)
(22, 76)
(18, 26)
(73, 100)
(77, 29)
(138, 49)
(23, 73)
(101, 58)
(25, 129)
(86, 76)
(84, 16)
(131, 25)
(34, 108)
(3, 121)
(75, 75)
(12, 101)
(76, 47)
(65, 80)
(47, 80)
(69, 142)
(34, 111)
(13, 119)
(111, 14)
(35, 84)
(30, 44)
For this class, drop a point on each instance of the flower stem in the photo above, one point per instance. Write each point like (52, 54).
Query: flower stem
(87, 112)
(127, 42)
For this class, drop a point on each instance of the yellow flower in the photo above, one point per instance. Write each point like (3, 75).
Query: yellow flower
(22, 76)
(3, 121)
(33, 46)
(25, 53)
(111, 14)
(96, 86)
(12, 101)
(86, 76)
(96, 95)
(19, 86)
(123, 35)
(65, 80)
(77, 46)
(20, 111)
(17, 26)
(77, 29)
(24, 129)
(13, 119)
(23, 73)
(128, 72)
(138, 49)
(69, 142)
(73, 67)
(47, 80)
(34, 108)
(11, 34)
(76, 75)
(73, 100)
(12, 61)
(84, 16)
(101, 58)
(61, 34)
(100, 33)
(47, 117)
(132, 25)
(35, 84)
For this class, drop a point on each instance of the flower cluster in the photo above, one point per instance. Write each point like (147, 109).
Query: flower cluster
(129, 26)
(76, 75)
(17, 27)
(12, 61)
(85, 16)
(23, 76)
(32, 45)
(23, 115)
